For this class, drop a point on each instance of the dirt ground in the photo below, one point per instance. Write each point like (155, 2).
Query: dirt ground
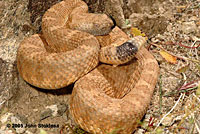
(173, 30)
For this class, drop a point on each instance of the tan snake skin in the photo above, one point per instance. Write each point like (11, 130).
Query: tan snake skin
(114, 99)
(107, 98)
(63, 55)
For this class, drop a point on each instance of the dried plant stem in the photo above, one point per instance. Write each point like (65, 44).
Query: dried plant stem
(179, 57)
(181, 96)
(180, 91)
(161, 94)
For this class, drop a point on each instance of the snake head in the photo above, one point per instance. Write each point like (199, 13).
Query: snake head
(101, 24)
(136, 42)
(95, 24)
(128, 49)
(131, 47)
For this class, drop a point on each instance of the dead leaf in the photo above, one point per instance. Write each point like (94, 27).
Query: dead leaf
(180, 9)
(136, 32)
(183, 69)
(168, 57)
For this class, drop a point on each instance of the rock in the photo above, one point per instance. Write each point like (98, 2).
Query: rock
(149, 24)
(4, 118)
(114, 8)
(53, 110)
(8, 81)
(45, 114)
(4, 130)
(169, 120)
(188, 27)
(140, 131)
(62, 108)
(28, 132)
(19, 129)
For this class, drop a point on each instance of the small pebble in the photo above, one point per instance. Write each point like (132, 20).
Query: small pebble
(188, 27)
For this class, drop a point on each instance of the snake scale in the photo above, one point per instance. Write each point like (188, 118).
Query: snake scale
(105, 98)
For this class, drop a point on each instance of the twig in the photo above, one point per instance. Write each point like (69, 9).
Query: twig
(189, 85)
(179, 57)
(183, 58)
(197, 126)
(193, 126)
(181, 96)
(2, 103)
(180, 44)
(180, 91)
(161, 94)
(196, 97)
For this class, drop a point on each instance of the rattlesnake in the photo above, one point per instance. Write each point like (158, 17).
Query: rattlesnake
(67, 51)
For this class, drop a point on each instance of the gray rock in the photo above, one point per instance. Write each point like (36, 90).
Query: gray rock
(188, 27)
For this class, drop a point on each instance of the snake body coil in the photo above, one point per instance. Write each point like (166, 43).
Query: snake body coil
(104, 98)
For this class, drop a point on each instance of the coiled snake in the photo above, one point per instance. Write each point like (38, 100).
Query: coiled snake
(104, 98)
